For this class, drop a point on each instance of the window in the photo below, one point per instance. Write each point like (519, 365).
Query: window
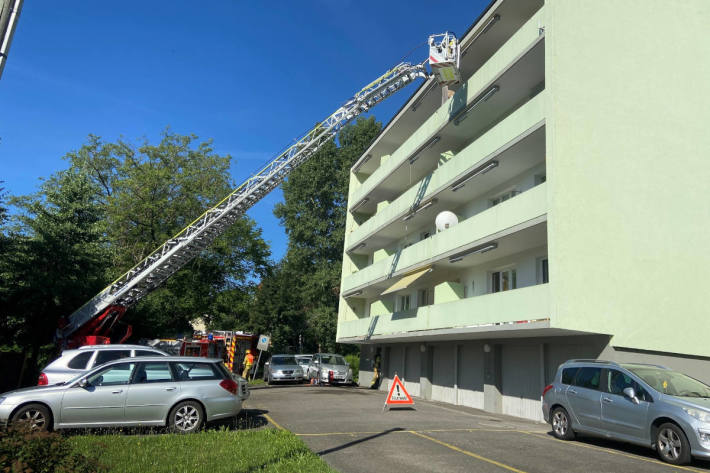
(424, 235)
(186, 371)
(104, 356)
(147, 353)
(568, 375)
(503, 280)
(615, 382)
(422, 298)
(79, 361)
(545, 272)
(113, 375)
(503, 197)
(588, 378)
(404, 302)
(153, 373)
(283, 360)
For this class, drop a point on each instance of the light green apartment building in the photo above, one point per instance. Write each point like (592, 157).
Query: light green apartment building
(575, 155)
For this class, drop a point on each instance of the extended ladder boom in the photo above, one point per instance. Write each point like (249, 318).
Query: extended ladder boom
(180, 249)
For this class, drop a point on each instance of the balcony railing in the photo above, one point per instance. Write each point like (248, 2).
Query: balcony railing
(526, 207)
(517, 308)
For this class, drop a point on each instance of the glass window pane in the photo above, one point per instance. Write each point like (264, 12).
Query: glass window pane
(113, 375)
(495, 282)
(568, 375)
(505, 275)
(588, 378)
(153, 373)
(79, 361)
(104, 356)
(186, 371)
(545, 275)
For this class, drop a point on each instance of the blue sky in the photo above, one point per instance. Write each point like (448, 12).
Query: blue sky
(250, 75)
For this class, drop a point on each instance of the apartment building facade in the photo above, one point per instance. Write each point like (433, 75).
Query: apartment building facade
(574, 158)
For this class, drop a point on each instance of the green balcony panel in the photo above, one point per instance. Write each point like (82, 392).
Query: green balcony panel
(520, 42)
(381, 307)
(519, 305)
(521, 122)
(448, 292)
(523, 208)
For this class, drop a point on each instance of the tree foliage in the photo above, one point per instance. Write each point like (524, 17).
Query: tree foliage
(150, 193)
(112, 206)
(302, 292)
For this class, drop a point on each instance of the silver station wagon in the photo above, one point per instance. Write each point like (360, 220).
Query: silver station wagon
(646, 405)
(180, 392)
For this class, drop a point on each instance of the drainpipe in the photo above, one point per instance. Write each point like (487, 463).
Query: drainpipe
(8, 22)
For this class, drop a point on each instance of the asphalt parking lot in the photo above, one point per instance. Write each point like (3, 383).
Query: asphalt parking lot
(348, 428)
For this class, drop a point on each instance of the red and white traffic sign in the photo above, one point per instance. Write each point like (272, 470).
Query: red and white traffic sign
(398, 395)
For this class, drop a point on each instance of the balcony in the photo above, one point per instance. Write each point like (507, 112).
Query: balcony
(509, 78)
(526, 309)
(515, 223)
(517, 144)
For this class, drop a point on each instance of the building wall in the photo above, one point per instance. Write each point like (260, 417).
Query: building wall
(628, 167)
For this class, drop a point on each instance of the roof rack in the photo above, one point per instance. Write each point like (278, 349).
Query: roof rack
(591, 360)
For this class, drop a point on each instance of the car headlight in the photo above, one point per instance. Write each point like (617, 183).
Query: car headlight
(702, 416)
(324, 371)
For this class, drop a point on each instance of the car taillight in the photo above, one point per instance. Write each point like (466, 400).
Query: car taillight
(547, 388)
(43, 380)
(230, 385)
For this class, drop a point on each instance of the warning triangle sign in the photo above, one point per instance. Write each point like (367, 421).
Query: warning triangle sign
(398, 395)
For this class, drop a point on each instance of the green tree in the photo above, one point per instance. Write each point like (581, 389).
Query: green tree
(56, 259)
(150, 192)
(313, 213)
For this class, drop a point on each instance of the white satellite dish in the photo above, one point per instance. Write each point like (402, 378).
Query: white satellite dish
(445, 219)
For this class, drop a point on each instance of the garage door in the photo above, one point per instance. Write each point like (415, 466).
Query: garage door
(442, 388)
(521, 384)
(412, 370)
(471, 375)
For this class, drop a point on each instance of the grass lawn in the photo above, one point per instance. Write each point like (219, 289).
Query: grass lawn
(212, 451)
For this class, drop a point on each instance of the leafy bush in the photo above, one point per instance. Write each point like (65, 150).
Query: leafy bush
(24, 451)
(354, 361)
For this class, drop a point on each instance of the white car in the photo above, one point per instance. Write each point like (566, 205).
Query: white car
(72, 363)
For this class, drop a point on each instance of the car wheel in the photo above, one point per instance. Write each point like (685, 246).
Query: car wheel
(35, 416)
(186, 417)
(672, 444)
(561, 425)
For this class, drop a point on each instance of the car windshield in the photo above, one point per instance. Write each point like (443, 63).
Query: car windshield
(303, 359)
(333, 360)
(671, 382)
(283, 360)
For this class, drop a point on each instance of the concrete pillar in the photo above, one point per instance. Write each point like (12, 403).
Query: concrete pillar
(492, 392)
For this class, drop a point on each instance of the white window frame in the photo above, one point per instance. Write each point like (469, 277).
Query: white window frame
(404, 302)
(540, 273)
(512, 275)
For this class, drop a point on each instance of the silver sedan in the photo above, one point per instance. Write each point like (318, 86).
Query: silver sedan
(180, 392)
(283, 368)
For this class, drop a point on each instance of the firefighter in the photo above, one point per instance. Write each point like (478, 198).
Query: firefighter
(248, 361)
(376, 373)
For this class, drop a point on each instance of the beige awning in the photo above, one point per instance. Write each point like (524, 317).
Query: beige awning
(406, 281)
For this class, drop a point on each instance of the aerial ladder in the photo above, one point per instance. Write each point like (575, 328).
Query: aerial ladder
(96, 321)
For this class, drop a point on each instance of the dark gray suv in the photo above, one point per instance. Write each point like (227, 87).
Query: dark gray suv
(646, 405)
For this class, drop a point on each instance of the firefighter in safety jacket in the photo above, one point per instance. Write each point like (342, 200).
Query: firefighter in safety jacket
(248, 361)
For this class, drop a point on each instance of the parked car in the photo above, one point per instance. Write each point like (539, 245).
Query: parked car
(180, 392)
(303, 361)
(330, 368)
(72, 363)
(647, 405)
(283, 368)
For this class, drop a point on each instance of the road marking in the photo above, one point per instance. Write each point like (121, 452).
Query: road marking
(613, 452)
(272, 421)
(466, 452)
(325, 434)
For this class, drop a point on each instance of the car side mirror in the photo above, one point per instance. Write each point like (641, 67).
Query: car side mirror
(83, 383)
(631, 394)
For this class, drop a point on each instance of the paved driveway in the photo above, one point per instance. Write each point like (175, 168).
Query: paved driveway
(348, 428)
